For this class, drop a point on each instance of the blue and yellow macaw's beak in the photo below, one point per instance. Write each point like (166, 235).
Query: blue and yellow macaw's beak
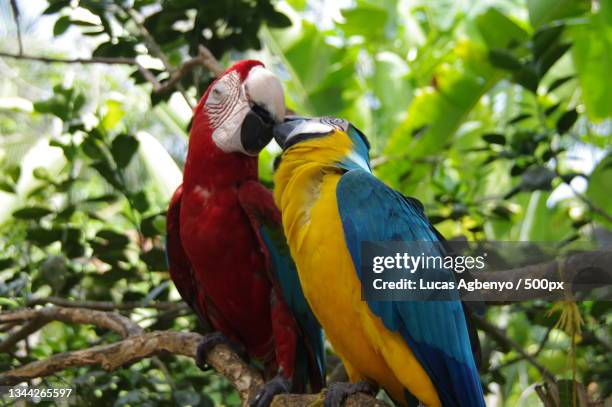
(298, 128)
(330, 139)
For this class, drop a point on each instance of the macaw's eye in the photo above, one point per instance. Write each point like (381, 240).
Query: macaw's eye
(217, 95)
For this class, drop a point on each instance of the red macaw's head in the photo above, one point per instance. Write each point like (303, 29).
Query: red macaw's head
(239, 109)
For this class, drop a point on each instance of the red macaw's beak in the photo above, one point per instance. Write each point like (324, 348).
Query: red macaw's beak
(267, 108)
(256, 130)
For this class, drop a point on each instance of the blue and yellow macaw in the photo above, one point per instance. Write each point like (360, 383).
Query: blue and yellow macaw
(330, 203)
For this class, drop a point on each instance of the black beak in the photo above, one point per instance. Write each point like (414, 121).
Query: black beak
(256, 130)
(283, 130)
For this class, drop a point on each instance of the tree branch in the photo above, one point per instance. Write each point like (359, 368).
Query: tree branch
(35, 319)
(106, 305)
(137, 345)
(204, 58)
(154, 48)
(93, 60)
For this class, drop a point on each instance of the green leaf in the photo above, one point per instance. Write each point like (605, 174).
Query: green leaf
(5, 186)
(152, 226)
(31, 212)
(545, 11)
(566, 121)
(43, 236)
(55, 106)
(155, 259)
(527, 77)
(13, 172)
(502, 211)
(550, 57)
(499, 31)
(277, 20)
(55, 6)
(104, 169)
(368, 20)
(140, 201)
(592, 42)
(93, 148)
(6, 262)
(113, 239)
(494, 138)
(106, 198)
(72, 246)
(501, 58)
(439, 111)
(61, 25)
(114, 114)
(519, 118)
(558, 82)
(550, 110)
(123, 48)
(518, 168)
(598, 191)
(41, 173)
(123, 149)
(545, 37)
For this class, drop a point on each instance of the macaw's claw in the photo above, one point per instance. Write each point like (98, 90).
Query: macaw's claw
(211, 340)
(339, 391)
(278, 385)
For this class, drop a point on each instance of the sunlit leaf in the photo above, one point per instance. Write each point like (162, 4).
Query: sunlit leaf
(592, 42)
(598, 190)
(499, 31)
(544, 11)
(114, 114)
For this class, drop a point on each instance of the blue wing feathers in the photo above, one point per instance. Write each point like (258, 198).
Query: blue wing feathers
(436, 331)
(287, 277)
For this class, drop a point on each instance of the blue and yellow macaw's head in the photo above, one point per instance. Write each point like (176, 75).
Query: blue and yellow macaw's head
(327, 141)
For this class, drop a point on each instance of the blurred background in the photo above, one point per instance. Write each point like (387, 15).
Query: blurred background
(496, 114)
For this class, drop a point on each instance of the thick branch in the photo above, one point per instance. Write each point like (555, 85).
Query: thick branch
(137, 347)
(35, 319)
(306, 400)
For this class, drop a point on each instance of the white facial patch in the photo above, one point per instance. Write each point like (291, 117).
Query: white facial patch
(227, 106)
(318, 125)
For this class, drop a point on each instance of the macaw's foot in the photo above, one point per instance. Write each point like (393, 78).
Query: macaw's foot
(339, 391)
(213, 339)
(278, 385)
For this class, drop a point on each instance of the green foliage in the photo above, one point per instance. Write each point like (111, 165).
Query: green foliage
(497, 118)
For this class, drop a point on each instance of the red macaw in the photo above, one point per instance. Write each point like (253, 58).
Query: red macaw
(227, 254)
